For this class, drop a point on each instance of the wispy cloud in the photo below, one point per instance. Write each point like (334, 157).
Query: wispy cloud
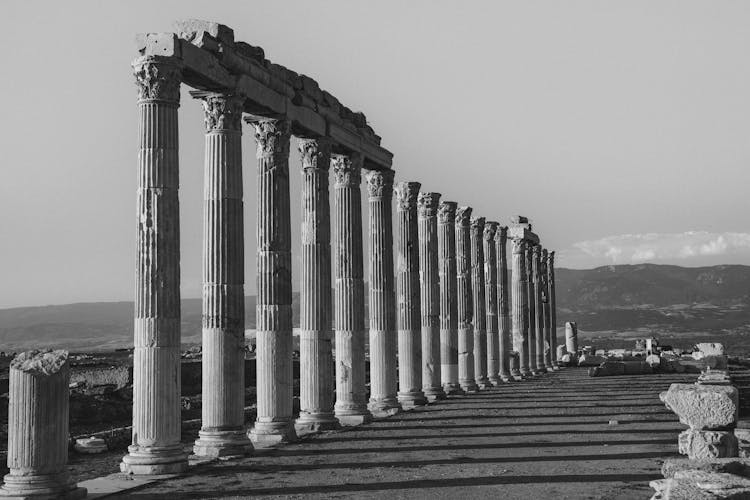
(647, 247)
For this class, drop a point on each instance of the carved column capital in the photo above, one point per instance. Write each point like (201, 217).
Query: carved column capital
(271, 135)
(551, 258)
(427, 204)
(477, 225)
(347, 170)
(447, 212)
(490, 229)
(501, 234)
(406, 195)
(221, 112)
(537, 251)
(315, 153)
(158, 78)
(519, 246)
(463, 216)
(380, 183)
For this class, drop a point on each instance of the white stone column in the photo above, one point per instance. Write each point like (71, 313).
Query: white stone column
(408, 307)
(490, 296)
(429, 280)
(274, 423)
(349, 322)
(505, 343)
(383, 386)
(531, 319)
(448, 299)
(316, 359)
(223, 376)
(538, 310)
(38, 428)
(520, 296)
(553, 309)
(478, 301)
(465, 301)
(548, 354)
(571, 337)
(156, 447)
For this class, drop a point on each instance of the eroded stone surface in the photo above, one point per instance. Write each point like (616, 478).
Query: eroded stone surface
(707, 445)
(729, 465)
(703, 407)
(698, 485)
(42, 362)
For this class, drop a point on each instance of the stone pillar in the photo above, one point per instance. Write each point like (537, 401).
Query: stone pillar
(223, 376)
(490, 295)
(156, 447)
(520, 318)
(531, 320)
(410, 392)
(539, 310)
(465, 301)
(478, 301)
(448, 300)
(548, 354)
(505, 340)
(349, 322)
(274, 423)
(427, 206)
(38, 428)
(571, 337)
(316, 357)
(553, 310)
(383, 398)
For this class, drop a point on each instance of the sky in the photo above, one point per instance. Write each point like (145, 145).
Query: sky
(620, 128)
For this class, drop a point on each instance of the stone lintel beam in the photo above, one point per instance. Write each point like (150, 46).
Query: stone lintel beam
(520, 232)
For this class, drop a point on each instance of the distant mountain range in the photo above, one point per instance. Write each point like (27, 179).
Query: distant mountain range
(629, 299)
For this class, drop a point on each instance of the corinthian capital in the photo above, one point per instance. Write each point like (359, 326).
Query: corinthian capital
(220, 111)
(502, 234)
(158, 78)
(447, 212)
(347, 170)
(380, 183)
(315, 153)
(463, 216)
(271, 135)
(406, 195)
(551, 259)
(490, 228)
(477, 225)
(427, 204)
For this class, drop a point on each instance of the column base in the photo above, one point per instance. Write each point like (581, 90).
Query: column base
(383, 408)
(354, 420)
(410, 400)
(453, 389)
(217, 444)
(556, 367)
(469, 386)
(41, 487)
(272, 434)
(494, 380)
(154, 461)
(312, 423)
(483, 383)
(434, 394)
(549, 367)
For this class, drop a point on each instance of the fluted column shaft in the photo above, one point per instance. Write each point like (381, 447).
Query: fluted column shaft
(520, 312)
(156, 445)
(223, 376)
(479, 302)
(273, 424)
(429, 281)
(538, 310)
(383, 386)
(505, 342)
(38, 428)
(448, 299)
(490, 296)
(349, 293)
(553, 309)
(316, 359)
(465, 301)
(548, 354)
(408, 305)
(531, 320)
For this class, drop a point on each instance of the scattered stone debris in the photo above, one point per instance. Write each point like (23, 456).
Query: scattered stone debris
(90, 445)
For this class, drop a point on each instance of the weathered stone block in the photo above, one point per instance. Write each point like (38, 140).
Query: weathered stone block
(189, 28)
(591, 360)
(710, 348)
(703, 407)
(698, 485)
(707, 445)
(729, 465)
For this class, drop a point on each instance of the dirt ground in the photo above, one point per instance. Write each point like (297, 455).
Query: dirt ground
(552, 437)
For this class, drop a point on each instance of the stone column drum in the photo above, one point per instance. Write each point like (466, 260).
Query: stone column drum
(427, 206)
(383, 398)
(548, 354)
(531, 322)
(408, 304)
(538, 310)
(478, 301)
(316, 357)
(520, 311)
(465, 301)
(223, 375)
(156, 447)
(349, 293)
(274, 423)
(448, 299)
(38, 428)
(490, 295)
(571, 337)
(552, 307)
(505, 343)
